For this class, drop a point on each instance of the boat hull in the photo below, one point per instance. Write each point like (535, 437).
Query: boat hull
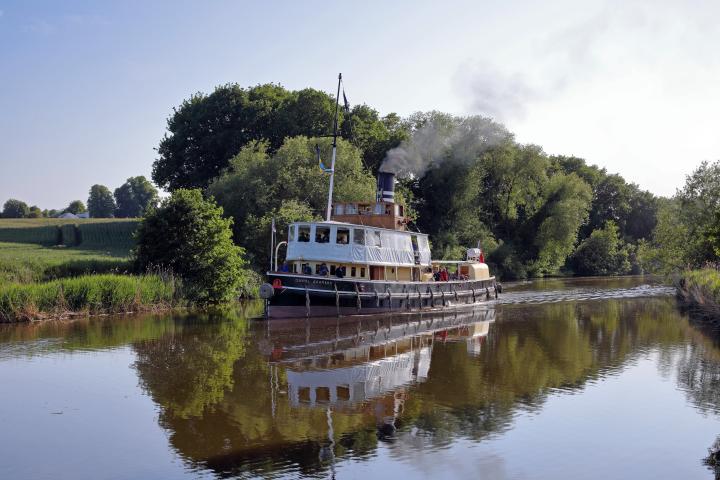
(297, 296)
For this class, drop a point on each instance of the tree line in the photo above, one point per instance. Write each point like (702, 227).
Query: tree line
(130, 200)
(464, 179)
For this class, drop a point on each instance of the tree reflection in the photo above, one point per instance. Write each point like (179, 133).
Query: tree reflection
(213, 383)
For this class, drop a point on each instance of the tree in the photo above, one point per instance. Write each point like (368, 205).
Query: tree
(101, 203)
(189, 236)
(75, 207)
(206, 131)
(602, 253)
(34, 212)
(134, 197)
(373, 135)
(567, 201)
(15, 209)
(257, 184)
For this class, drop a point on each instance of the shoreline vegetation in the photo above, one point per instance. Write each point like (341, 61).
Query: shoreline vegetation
(89, 295)
(699, 291)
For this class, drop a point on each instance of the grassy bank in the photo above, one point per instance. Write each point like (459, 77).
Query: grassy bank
(87, 295)
(700, 290)
(26, 262)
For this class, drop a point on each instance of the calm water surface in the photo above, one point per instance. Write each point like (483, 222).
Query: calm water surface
(600, 378)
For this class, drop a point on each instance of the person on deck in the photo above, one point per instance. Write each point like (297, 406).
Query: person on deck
(323, 270)
(285, 267)
(306, 270)
(444, 277)
(340, 272)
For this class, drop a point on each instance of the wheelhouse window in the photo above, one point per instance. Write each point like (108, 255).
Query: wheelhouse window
(358, 236)
(304, 233)
(291, 233)
(322, 234)
(343, 236)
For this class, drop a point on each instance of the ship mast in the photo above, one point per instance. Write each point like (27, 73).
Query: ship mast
(334, 150)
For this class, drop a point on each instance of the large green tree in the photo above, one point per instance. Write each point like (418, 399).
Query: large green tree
(134, 197)
(188, 235)
(101, 203)
(14, 208)
(206, 131)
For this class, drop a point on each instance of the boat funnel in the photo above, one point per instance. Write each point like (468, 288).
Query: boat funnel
(386, 187)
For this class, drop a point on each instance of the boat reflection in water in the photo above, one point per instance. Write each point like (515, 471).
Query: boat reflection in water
(371, 368)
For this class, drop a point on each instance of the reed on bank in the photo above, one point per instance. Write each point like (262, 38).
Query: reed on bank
(700, 290)
(88, 295)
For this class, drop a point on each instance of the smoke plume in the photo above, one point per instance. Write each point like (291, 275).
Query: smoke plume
(441, 138)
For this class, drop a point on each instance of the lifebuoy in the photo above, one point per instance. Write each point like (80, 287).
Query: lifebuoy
(277, 283)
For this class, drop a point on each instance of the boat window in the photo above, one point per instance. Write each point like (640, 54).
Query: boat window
(303, 233)
(291, 233)
(353, 271)
(358, 236)
(322, 234)
(414, 240)
(362, 272)
(343, 236)
(332, 269)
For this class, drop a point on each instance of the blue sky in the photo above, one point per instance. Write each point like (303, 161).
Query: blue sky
(87, 86)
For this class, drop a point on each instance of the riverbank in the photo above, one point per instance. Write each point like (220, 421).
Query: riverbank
(88, 295)
(699, 290)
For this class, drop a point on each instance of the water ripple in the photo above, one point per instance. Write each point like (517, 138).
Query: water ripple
(579, 294)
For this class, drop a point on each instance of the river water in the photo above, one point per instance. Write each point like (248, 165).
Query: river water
(580, 378)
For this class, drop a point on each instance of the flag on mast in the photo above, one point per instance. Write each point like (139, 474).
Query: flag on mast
(345, 101)
(322, 165)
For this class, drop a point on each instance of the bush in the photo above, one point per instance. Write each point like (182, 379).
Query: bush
(189, 236)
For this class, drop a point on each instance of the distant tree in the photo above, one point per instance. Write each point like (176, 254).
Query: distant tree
(51, 213)
(188, 235)
(602, 253)
(134, 197)
(75, 207)
(101, 203)
(35, 212)
(15, 209)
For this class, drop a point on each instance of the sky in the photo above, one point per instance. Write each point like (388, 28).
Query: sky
(86, 87)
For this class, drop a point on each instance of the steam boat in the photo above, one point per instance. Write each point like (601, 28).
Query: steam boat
(363, 260)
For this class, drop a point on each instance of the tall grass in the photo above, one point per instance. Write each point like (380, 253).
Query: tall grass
(90, 294)
(25, 263)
